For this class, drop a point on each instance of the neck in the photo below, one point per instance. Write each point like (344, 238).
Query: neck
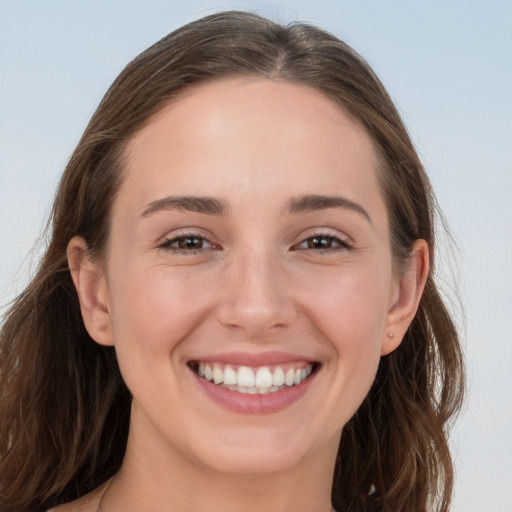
(156, 480)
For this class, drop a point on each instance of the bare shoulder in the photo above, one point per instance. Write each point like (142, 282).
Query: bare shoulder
(88, 503)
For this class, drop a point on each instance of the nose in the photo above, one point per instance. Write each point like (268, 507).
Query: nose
(256, 298)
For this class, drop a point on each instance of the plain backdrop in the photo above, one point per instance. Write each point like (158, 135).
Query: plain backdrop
(447, 65)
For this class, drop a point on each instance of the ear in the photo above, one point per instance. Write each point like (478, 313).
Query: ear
(91, 286)
(406, 297)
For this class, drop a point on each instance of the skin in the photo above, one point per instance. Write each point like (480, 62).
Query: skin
(260, 283)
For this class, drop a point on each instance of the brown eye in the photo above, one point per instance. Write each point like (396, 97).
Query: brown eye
(320, 242)
(189, 242)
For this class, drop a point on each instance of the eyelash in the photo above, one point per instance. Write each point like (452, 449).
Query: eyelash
(342, 244)
(167, 244)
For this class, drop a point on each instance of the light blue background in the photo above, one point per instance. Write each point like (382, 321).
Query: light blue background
(447, 64)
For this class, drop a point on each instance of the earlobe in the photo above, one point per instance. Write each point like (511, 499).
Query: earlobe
(91, 286)
(405, 301)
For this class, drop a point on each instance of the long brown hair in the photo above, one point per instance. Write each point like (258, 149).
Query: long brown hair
(64, 409)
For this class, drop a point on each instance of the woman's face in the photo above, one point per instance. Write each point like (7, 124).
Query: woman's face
(249, 245)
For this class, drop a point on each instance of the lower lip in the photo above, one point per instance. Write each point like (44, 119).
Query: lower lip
(258, 403)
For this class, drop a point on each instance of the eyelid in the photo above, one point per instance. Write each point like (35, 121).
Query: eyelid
(169, 239)
(344, 242)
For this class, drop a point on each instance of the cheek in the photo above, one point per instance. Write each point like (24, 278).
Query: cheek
(348, 309)
(154, 310)
(349, 304)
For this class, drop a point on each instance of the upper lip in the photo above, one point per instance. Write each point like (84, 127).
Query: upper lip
(253, 359)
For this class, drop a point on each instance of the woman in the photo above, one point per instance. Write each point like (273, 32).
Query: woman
(237, 301)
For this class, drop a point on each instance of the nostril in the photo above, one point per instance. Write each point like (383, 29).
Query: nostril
(256, 297)
(255, 319)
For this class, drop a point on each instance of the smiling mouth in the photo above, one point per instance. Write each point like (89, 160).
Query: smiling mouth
(254, 380)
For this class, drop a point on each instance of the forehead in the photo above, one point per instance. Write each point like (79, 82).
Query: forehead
(254, 136)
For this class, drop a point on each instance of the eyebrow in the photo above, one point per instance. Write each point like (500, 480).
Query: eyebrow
(206, 205)
(212, 206)
(312, 203)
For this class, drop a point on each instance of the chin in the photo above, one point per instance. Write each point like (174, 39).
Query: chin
(254, 461)
(256, 451)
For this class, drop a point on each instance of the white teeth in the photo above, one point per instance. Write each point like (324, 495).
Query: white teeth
(263, 378)
(245, 377)
(218, 375)
(278, 377)
(288, 379)
(229, 376)
(244, 380)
